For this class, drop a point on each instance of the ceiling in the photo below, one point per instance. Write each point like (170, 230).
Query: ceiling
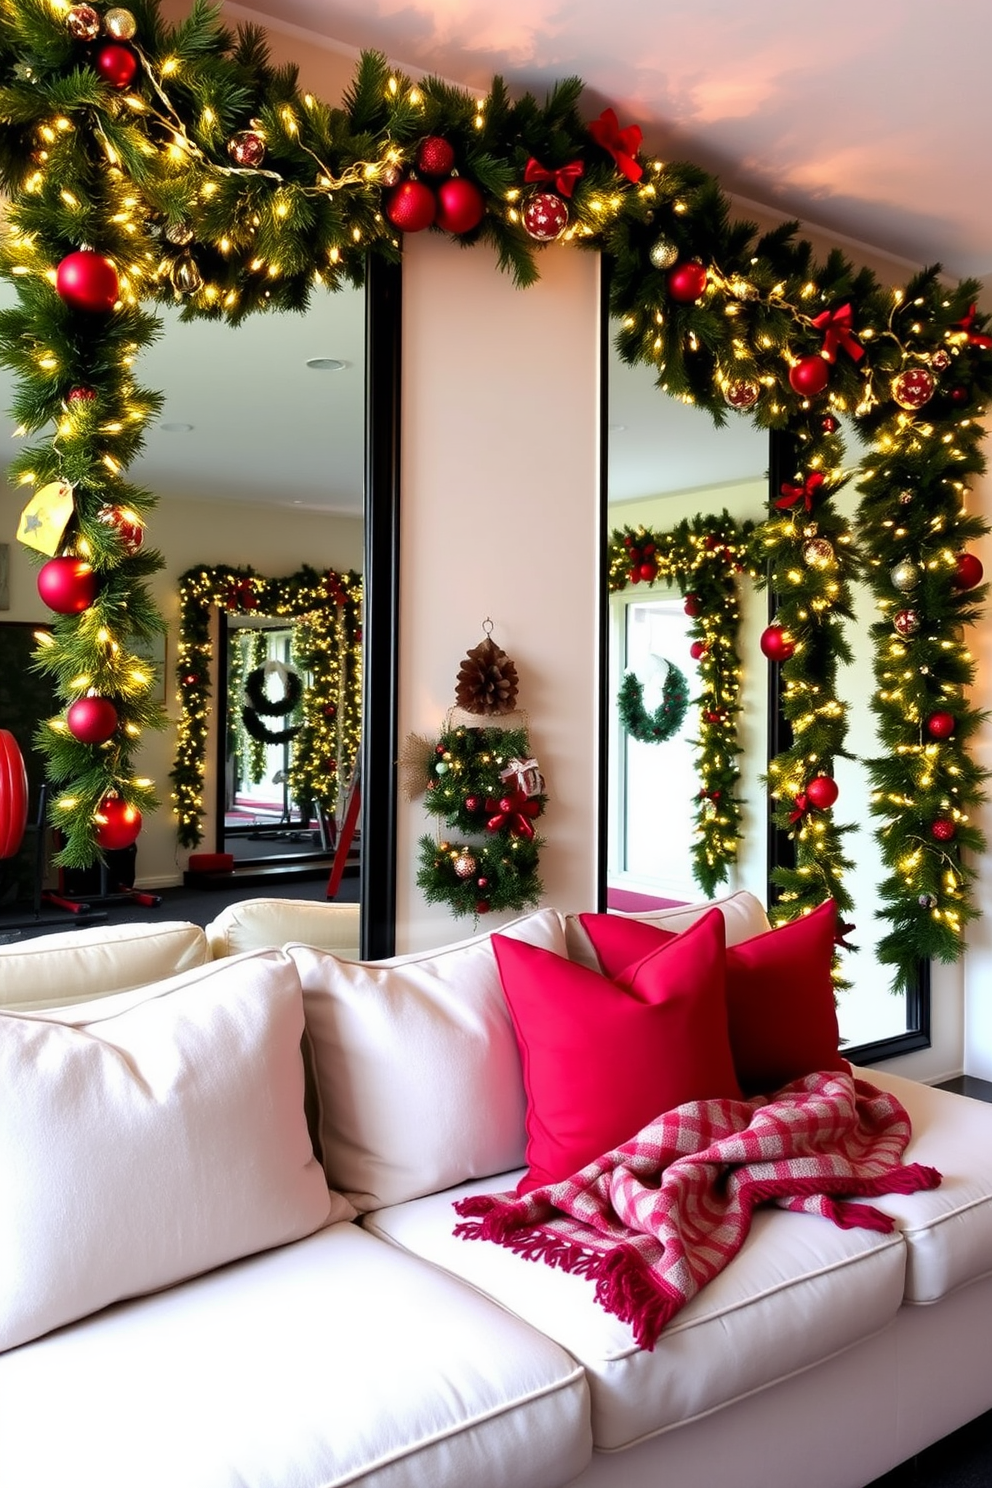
(871, 122)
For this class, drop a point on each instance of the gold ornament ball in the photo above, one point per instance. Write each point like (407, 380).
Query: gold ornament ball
(120, 24)
(465, 865)
(663, 253)
(904, 575)
(83, 23)
(818, 553)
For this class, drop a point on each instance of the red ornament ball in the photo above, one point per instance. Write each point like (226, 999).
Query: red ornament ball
(411, 207)
(693, 606)
(968, 571)
(742, 394)
(648, 571)
(127, 524)
(687, 281)
(913, 387)
(67, 585)
(81, 395)
(247, 148)
(117, 823)
(88, 281)
(483, 882)
(906, 623)
(943, 829)
(959, 395)
(545, 216)
(482, 907)
(698, 649)
(473, 803)
(460, 206)
(809, 376)
(91, 720)
(941, 725)
(776, 643)
(822, 792)
(436, 157)
(116, 64)
(829, 424)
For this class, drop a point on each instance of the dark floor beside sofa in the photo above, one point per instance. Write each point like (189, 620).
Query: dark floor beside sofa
(963, 1460)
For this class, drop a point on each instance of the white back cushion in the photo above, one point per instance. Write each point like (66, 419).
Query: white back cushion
(416, 1065)
(77, 965)
(743, 915)
(149, 1137)
(254, 923)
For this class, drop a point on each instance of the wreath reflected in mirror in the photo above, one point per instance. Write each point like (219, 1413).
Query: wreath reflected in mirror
(259, 705)
(666, 720)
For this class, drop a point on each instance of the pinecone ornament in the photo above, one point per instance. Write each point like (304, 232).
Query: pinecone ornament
(487, 680)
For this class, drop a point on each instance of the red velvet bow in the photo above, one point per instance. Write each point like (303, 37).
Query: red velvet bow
(802, 801)
(622, 144)
(241, 595)
(335, 589)
(513, 811)
(975, 338)
(804, 493)
(836, 325)
(564, 177)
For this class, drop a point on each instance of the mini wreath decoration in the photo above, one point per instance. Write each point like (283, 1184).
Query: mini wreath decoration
(260, 704)
(666, 720)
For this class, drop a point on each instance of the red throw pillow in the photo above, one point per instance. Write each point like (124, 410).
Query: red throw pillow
(602, 1060)
(780, 995)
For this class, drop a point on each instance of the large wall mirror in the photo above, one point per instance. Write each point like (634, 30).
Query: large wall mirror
(666, 462)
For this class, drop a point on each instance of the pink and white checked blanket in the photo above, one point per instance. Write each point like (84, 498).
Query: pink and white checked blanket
(652, 1221)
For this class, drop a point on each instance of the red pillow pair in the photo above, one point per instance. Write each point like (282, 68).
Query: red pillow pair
(601, 1058)
(675, 1018)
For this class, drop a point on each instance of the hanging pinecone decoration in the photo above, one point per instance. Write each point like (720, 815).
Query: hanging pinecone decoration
(487, 679)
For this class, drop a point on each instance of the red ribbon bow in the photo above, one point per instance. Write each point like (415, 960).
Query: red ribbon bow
(564, 176)
(836, 325)
(335, 589)
(975, 338)
(513, 811)
(804, 493)
(802, 801)
(241, 595)
(622, 144)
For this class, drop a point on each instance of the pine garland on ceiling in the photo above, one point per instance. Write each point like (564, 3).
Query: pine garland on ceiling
(148, 162)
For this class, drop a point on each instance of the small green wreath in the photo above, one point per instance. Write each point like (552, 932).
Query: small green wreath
(666, 720)
(257, 697)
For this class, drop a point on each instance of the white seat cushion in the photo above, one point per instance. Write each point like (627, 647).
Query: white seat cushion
(253, 923)
(743, 917)
(336, 1360)
(78, 965)
(798, 1292)
(948, 1230)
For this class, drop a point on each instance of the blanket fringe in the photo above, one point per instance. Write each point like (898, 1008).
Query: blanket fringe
(626, 1287)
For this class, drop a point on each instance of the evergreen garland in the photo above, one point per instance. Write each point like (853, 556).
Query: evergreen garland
(473, 785)
(667, 718)
(735, 321)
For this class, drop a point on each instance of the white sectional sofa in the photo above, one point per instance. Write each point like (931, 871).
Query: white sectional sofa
(189, 1299)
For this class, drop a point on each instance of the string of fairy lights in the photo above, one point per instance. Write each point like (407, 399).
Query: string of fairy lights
(147, 161)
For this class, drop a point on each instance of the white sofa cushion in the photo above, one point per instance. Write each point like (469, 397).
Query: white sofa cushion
(743, 916)
(253, 924)
(948, 1230)
(337, 1360)
(151, 1136)
(77, 965)
(416, 1065)
(799, 1291)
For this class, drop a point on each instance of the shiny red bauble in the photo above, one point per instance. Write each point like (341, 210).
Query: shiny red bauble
(88, 281)
(692, 606)
(460, 205)
(13, 795)
(776, 643)
(545, 216)
(117, 824)
(91, 720)
(648, 571)
(941, 725)
(943, 829)
(125, 522)
(687, 281)
(116, 64)
(698, 649)
(968, 571)
(809, 376)
(411, 207)
(822, 792)
(435, 157)
(67, 585)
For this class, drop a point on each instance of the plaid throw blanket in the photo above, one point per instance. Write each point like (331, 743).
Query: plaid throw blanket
(654, 1220)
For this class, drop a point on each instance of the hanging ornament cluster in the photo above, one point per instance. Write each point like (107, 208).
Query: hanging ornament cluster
(642, 555)
(485, 783)
(545, 211)
(454, 203)
(113, 61)
(487, 679)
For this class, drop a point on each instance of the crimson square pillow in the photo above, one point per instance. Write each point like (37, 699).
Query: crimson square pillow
(780, 995)
(602, 1060)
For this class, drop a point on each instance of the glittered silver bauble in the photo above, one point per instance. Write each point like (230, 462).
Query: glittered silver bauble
(663, 253)
(545, 216)
(818, 553)
(179, 233)
(906, 623)
(83, 23)
(120, 24)
(927, 901)
(247, 148)
(742, 394)
(914, 387)
(465, 865)
(185, 276)
(904, 575)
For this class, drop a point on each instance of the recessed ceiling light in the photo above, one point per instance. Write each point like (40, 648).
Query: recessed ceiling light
(326, 364)
(176, 428)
